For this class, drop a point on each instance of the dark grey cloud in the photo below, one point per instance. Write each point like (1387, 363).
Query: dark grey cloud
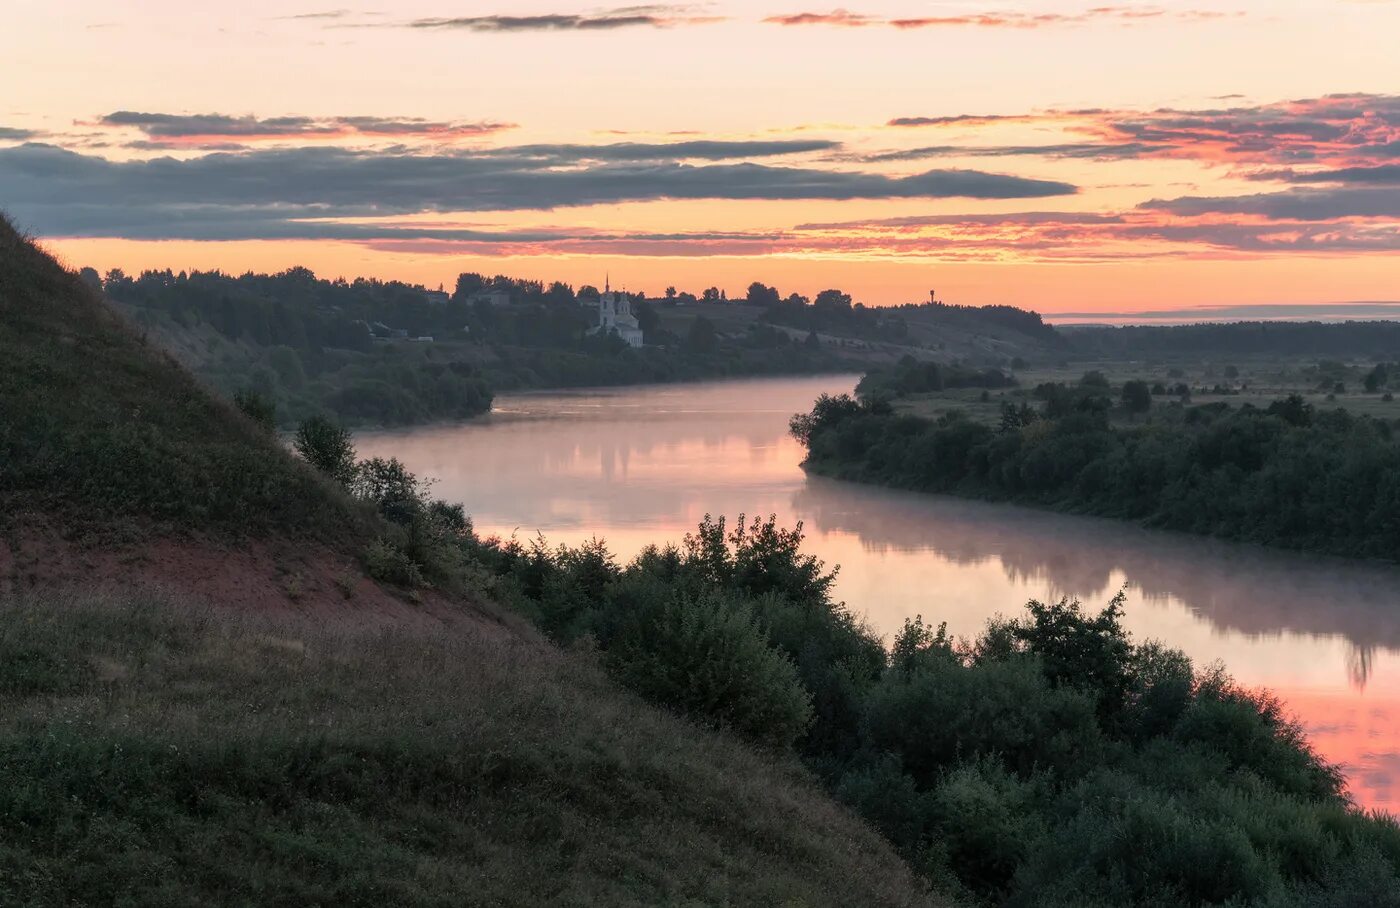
(58, 190)
(650, 16)
(178, 126)
(1292, 204)
(1384, 175)
(13, 134)
(168, 145)
(164, 125)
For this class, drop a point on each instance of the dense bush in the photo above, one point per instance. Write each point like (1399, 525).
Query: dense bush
(1049, 761)
(1284, 475)
(708, 657)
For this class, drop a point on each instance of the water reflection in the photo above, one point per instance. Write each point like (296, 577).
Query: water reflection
(1236, 588)
(637, 466)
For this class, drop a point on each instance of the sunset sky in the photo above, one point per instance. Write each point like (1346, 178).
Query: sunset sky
(1063, 156)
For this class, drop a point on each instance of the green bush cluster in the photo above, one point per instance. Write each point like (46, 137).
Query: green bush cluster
(1282, 475)
(1050, 761)
(734, 626)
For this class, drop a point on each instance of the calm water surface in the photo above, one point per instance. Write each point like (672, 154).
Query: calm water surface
(641, 465)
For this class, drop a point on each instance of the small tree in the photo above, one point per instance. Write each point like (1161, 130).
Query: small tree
(1093, 379)
(1137, 397)
(328, 448)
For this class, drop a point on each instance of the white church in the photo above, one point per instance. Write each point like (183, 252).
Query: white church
(615, 316)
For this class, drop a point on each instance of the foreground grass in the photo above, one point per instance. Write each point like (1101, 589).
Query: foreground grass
(154, 757)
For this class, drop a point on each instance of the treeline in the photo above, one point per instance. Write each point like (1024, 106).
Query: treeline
(1023, 321)
(1285, 475)
(1049, 762)
(306, 345)
(697, 356)
(388, 353)
(911, 376)
(1377, 338)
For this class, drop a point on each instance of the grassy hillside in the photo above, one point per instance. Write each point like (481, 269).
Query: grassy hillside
(99, 429)
(155, 756)
(174, 752)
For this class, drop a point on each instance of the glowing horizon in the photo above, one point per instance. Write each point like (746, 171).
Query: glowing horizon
(1064, 157)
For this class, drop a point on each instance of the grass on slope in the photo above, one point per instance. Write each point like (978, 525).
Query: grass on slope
(157, 757)
(99, 429)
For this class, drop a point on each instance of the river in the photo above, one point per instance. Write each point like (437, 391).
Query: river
(641, 465)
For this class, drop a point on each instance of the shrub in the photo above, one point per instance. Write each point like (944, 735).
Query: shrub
(708, 658)
(988, 823)
(328, 448)
(1124, 844)
(395, 493)
(389, 563)
(945, 712)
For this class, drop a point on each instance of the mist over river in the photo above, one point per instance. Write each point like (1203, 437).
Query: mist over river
(641, 465)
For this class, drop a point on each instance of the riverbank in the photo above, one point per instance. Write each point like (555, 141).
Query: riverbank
(1287, 476)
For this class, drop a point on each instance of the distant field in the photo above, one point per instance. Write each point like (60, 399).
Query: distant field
(1253, 381)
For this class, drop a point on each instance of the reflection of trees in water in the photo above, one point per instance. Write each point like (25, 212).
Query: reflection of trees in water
(594, 460)
(1235, 587)
(1359, 664)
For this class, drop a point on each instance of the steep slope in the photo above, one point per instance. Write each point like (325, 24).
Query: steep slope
(117, 468)
(99, 426)
(165, 750)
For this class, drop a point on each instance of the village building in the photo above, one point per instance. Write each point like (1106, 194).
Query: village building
(615, 317)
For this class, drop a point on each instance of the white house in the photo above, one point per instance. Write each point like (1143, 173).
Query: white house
(615, 317)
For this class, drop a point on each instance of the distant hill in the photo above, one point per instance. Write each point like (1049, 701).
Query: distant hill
(205, 700)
